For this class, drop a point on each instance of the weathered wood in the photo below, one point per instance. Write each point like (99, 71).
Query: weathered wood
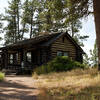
(66, 46)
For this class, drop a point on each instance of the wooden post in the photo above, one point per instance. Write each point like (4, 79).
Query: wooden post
(24, 56)
(5, 59)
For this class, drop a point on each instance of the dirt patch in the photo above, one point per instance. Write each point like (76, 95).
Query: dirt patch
(18, 88)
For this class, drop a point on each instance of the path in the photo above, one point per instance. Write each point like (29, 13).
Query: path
(18, 88)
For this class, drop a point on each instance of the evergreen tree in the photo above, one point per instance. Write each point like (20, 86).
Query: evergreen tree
(82, 7)
(52, 15)
(73, 23)
(1, 26)
(25, 18)
(94, 55)
(30, 9)
(13, 18)
(55, 17)
(86, 60)
(73, 26)
(41, 16)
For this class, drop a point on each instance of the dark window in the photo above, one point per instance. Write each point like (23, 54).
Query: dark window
(29, 56)
(65, 53)
(62, 53)
(59, 53)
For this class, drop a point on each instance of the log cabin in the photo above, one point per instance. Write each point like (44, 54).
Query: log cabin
(39, 50)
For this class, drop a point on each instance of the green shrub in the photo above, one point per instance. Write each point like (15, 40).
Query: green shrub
(58, 64)
(2, 75)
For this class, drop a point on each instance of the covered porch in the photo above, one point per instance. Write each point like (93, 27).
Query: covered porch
(26, 58)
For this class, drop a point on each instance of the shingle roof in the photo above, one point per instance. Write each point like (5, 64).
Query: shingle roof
(34, 40)
(42, 40)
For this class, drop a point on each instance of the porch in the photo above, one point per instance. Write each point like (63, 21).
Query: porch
(26, 59)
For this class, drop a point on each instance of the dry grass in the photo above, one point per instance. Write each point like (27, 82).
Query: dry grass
(70, 84)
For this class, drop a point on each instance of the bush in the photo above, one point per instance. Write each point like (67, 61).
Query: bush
(2, 75)
(58, 64)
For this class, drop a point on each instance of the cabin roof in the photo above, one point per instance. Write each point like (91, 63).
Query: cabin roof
(42, 40)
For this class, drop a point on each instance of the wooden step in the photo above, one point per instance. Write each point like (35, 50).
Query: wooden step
(9, 72)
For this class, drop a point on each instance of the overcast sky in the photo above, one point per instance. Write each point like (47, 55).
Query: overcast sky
(88, 27)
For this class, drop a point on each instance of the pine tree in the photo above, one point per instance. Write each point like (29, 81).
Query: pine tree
(25, 18)
(1, 26)
(56, 17)
(86, 60)
(82, 8)
(30, 9)
(94, 56)
(13, 19)
(52, 15)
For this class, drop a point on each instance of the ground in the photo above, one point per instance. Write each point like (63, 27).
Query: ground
(18, 88)
(72, 85)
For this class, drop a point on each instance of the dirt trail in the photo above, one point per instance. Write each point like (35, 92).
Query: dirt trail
(18, 88)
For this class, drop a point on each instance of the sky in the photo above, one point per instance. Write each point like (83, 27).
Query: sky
(88, 27)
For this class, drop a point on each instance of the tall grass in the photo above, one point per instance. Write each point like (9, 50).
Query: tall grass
(64, 85)
(2, 75)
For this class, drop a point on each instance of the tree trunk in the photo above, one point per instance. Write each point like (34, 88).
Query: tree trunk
(23, 31)
(15, 32)
(18, 37)
(96, 5)
(72, 29)
(31, 28)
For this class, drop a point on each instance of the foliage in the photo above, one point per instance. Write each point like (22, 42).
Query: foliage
(80, 39)
(2, 75)
(86, 60)
(91, 60)
(82, 7)
(13, 22)
(1, 25)
(62, 17)
(30, 8)
(33, 17)
(58, 64)
(94, 56)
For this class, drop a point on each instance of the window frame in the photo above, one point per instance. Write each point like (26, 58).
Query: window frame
(29, 59)
(63, 53)
(14, 60)
(11, 60)
(58, 52)
(66, 53)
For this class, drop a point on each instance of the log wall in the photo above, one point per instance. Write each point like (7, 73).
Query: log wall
(63, 44)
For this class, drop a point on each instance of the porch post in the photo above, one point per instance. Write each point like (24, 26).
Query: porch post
(5, 57)
(24, 56)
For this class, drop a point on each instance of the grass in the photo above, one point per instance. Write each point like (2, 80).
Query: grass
(2, 75)
(74, 85)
